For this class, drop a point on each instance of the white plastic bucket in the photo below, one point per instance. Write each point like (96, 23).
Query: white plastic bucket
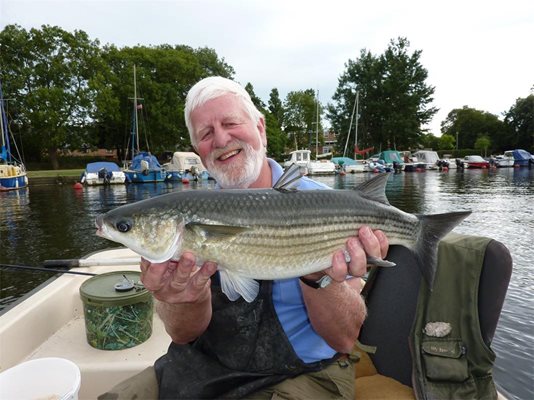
(41, 379)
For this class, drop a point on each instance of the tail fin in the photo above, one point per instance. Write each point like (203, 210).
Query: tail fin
(434, 228)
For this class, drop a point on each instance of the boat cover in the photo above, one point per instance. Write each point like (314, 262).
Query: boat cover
(185, 160)
(521, 155)
(343, 161)
(137, 162)
(97, 166)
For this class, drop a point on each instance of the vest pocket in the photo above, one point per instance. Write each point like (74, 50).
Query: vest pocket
(445, 360)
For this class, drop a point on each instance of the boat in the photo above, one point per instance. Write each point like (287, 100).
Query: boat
(504, 160)
(12, 170)
(308, 166)
(475, 162)
(427, 159)
(102, 173)
(52, 322)
(522, 158)
(349, 165)
(390, 160)
(143, 167)
(185, 165)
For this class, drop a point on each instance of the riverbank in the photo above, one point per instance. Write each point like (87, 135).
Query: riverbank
(59, 176)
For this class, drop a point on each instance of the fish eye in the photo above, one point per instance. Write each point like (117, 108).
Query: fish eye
(123, 226)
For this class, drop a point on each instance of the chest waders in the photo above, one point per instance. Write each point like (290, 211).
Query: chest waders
(244, 349)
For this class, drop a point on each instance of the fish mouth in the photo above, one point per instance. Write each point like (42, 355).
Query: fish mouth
(99, 224)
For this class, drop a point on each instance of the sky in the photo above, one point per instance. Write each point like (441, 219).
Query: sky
(478, 53)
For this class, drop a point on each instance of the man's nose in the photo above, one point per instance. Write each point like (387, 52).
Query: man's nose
(221, 137)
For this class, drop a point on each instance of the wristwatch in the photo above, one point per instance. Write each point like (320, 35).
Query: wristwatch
(310, 282)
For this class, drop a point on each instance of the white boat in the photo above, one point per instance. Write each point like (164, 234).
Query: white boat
(504, 160)
(310, 167)
(427, 159)
(12, 169)
(102, 173)
(185, 165)
(49, 323)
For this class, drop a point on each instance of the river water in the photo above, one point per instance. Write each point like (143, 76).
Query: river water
(49, 221)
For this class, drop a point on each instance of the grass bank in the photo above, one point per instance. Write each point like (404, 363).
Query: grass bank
(55, 173)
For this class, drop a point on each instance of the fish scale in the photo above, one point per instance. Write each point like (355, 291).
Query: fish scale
(277, 233)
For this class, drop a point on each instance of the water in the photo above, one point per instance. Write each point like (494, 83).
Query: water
(57, 222)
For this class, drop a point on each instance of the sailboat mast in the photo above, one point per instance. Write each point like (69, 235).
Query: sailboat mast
(317, 128)
(135, 141)
(350, 126)
(356, 127)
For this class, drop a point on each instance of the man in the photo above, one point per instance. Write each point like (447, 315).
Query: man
(291, 341)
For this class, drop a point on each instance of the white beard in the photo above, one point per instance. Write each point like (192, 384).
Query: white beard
(235, 176)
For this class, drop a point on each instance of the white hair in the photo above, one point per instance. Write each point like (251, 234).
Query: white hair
(210, 88)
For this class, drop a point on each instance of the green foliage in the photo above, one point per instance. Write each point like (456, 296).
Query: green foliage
(446, 142)
(483, 143)
(300, 115)
(468, 124)
(393, 98)
(260, 105)
(520, 123)
(276, 107)
(68, 91)
(276, 138)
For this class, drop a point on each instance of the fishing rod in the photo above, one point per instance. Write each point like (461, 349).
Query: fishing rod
(51, 270)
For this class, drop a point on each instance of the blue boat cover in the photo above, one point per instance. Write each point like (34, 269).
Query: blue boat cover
(153, 163)
(389, 156)
(97, 166)
(521, 155)
(343, 160)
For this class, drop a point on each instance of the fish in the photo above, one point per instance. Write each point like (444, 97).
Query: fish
(273, 233)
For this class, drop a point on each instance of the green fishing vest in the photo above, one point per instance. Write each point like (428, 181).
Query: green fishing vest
(450, 358)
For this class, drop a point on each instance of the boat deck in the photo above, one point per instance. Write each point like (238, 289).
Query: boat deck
(50, 323)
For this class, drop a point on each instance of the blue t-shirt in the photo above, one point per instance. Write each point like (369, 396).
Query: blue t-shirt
(289, 303)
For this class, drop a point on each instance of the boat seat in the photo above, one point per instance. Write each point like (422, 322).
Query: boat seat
(392, 301)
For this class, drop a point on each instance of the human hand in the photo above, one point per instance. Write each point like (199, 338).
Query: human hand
(176, 282)
(366, 243)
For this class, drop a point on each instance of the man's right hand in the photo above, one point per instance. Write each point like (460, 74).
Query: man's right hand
(178, 282)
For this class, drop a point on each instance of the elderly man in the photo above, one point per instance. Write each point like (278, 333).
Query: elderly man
(292, 340)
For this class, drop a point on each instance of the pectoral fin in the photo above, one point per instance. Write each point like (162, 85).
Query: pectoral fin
(233, 286)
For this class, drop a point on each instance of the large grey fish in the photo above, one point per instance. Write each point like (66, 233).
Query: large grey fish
(270, 233)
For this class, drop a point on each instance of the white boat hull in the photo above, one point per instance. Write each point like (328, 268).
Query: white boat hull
(50, 323)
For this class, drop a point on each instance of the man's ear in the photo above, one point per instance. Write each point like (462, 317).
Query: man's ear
(262, 130)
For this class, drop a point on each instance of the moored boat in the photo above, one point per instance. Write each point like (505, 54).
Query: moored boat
(475, 162)
(522, 158)
(185, 165)
(427, 159)
(303, 159)
(102, 173)
(143, 167)
(12, 169)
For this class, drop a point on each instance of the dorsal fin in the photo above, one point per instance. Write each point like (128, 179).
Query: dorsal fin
(289, 180)
(375, 188)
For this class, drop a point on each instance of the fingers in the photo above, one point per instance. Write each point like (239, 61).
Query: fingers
(367, 243)
(177, 281)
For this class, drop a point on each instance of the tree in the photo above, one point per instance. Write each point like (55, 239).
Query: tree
(53, 88)
(300, 116)
(447, 142)
(393, 98)
(483, 143)
(275, 106)
(468, 124)
(260, 105)
(519, 120)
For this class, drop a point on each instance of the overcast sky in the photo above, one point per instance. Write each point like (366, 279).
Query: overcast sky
(478, 53)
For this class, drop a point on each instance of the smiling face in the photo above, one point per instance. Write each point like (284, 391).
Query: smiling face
(230, 143)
